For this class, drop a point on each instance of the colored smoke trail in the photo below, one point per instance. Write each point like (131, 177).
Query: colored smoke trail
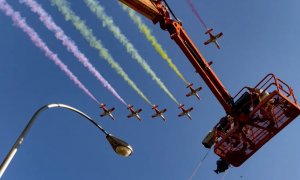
(108, 22)
(147, 32)
(87, 33)
(196, 13)
(70, 45)
(21, 23)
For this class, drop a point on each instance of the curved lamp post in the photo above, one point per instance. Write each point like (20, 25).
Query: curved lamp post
(119, 146)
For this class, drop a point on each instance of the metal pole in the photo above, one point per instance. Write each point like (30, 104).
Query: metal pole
(20, 139)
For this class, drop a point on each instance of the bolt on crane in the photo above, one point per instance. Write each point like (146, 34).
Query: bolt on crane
(253, 116)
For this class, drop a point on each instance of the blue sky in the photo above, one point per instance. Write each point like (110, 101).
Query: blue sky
(259, 37)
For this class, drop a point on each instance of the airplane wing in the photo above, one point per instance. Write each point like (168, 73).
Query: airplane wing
(139, 110)
(219, 35)
(130, 115)
(190, 109)
(163, 111)
(189, 94)
(155, 115)
(207, 42)
(181, 114)
(103, 114)
(198, 89)
(111, 110)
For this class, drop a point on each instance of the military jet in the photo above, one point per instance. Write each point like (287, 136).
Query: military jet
(107, 111)
(213, 38)
(193, 91)
(158, 112)
(185, 112)
(134, 113)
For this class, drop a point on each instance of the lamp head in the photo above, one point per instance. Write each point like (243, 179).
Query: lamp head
(119, 146)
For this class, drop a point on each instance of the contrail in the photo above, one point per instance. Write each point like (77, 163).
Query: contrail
(194, 10)
(147, 32)
(20, 22)
(108, 22)
(70, 45)
(87, 33)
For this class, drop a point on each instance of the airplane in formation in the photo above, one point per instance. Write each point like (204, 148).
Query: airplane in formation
(185, 112)
(193, 92)
(158, 112)
(134, 113)
(107, 112)
(213, 38)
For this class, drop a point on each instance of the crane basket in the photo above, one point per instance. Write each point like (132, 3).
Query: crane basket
(260, 113)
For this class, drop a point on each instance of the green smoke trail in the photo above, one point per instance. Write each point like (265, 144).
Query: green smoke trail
(87, 33)
(147, 32)
(108, 22)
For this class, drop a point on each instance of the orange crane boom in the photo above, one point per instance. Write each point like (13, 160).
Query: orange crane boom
(253, 116)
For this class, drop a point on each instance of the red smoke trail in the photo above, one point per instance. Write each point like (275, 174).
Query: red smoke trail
(71, 46)
(21, 23)
(196, 13)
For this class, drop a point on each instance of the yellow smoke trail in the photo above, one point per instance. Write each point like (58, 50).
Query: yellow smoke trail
(108, 22)
(147, 32)
(87, 33)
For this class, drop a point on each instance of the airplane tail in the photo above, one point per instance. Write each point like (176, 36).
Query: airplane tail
(189, 85)
(102, 115)
(180, 106)
(208, 31)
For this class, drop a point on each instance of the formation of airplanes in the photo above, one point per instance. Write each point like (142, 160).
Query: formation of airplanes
(158, 113)
(213, 38)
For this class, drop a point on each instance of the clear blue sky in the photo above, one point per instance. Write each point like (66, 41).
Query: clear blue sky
(259, 37)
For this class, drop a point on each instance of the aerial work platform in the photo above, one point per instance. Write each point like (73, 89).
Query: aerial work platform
(260, 113)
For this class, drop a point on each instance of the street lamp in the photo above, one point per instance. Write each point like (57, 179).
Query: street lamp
(119, 146)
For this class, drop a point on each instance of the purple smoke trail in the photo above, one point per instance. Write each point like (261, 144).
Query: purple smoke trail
(71, 46)
(21, 23)
(196, 13)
